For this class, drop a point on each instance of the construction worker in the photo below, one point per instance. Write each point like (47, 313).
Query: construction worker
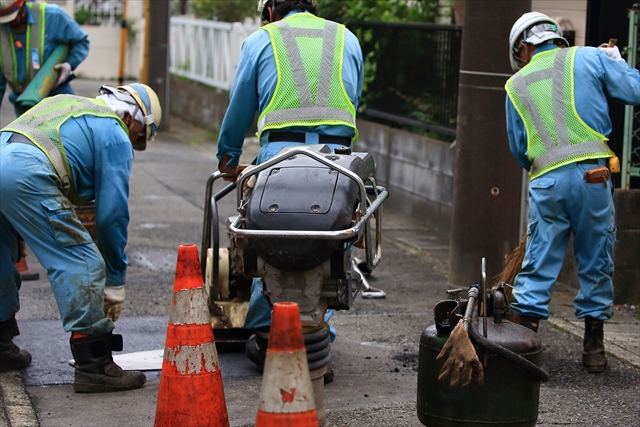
(64, 151)
(28, 34)
(558, 122)
(300, 97)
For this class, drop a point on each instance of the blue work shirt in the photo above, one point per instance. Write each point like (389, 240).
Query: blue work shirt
(59, 29)
(254, 84)
(596, 76)
(100, 156)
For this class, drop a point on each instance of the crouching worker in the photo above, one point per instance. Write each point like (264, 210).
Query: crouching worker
(65, 151)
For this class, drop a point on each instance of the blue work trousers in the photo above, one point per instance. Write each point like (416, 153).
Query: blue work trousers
(32, 204)
(562, 202)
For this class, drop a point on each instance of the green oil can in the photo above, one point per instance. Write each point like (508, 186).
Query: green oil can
(509, 396)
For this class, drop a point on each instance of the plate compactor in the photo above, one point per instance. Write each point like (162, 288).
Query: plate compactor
(301, 215)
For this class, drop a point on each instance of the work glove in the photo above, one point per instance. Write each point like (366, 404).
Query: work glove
(113, 300)
(64, 71)
(463, 361)
(611, 52)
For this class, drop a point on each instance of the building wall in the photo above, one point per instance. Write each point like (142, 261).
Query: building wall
(570, 14)
(103, 61)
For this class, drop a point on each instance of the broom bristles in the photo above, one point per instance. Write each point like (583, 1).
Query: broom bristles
(513, 267)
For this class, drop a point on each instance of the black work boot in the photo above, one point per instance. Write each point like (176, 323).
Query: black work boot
(530, 322)
(11, 357)
(256, 347)
(593, 357)
(96, 372)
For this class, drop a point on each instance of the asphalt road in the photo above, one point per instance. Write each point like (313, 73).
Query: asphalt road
(375, 357)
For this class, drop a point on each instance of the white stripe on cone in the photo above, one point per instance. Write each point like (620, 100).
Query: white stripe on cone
(286, 383)
(190, 306)
(188, 359)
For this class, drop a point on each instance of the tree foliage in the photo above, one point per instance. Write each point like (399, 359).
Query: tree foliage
(225, 10)
(346, 11)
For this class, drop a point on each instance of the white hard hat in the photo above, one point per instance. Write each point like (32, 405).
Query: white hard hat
(262, 3)
(9, 10)
(144, 98)
(534, 28)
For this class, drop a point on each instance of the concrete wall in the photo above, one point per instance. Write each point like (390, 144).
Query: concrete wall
(103, 61)
(568, 13)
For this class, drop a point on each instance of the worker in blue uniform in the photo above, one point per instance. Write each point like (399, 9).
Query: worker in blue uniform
(28, 34)
(558, 123)
(63, 152)
(261, 85)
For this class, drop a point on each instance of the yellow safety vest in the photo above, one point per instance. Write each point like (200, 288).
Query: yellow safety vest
(310, 92)
(41, 125)
(543, 94)
(35, 43)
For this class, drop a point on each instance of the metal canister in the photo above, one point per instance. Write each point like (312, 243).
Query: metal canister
(87, 216)
(509, 396)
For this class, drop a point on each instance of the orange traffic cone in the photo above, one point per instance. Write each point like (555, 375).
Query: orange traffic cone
(23, 269)
(286, 394)
(191, 392)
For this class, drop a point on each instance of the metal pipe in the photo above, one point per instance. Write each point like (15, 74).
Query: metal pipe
(123, 42)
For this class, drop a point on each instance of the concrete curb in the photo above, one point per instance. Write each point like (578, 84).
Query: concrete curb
(17, 408)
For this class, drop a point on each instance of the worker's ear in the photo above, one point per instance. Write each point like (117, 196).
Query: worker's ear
(126, 119)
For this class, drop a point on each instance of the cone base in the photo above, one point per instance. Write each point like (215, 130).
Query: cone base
(299, 419)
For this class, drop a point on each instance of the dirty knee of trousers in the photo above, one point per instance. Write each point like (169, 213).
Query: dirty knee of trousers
(11, 357)
(95, 370)
(593, 356)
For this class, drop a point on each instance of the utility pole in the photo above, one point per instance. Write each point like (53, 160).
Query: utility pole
(487, 182)
(156, 54)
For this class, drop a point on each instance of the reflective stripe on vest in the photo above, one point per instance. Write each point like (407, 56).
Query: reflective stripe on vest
(34, 41)
(41, 124)
(547, 149)
(332, 105)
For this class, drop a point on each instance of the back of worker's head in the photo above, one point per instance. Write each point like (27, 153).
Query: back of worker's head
(283, 7)
(147, 104)
(9, 10)
(534, 28)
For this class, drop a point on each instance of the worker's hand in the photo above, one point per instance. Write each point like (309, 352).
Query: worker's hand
(463, 361)
(231, 170)
(64, 71)
(113, 300)
(611, 52)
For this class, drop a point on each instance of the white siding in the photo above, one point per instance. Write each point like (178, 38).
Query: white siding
(573, 11)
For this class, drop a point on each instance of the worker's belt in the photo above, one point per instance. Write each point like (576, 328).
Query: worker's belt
(18, 137)
(300, 137)
(588, 161)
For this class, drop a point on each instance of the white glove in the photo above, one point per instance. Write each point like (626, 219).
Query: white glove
(64, 71)
(113, 300)
(611, 52)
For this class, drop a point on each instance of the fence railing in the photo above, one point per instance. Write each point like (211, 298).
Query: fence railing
(206, 51)
(630, 163)
(412, 73)
(98, 12)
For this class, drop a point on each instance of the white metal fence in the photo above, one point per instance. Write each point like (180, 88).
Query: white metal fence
(98, 12)
(206, 51)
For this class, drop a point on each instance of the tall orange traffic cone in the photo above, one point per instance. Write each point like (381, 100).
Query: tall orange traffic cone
(286, 394)
(191, 392)
(24, 271)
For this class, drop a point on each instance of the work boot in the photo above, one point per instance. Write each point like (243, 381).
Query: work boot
(256, 347)
(96, 372)
(11, 357)
(530, 322)
(593, 357)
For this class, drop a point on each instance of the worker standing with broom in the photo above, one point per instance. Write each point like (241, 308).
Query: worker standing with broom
(557, 123)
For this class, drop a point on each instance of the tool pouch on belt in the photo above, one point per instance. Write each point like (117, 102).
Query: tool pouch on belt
(597, 175)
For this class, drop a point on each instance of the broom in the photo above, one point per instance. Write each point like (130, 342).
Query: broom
(513, 267)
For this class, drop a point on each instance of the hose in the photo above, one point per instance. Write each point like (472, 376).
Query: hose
(505, 353)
